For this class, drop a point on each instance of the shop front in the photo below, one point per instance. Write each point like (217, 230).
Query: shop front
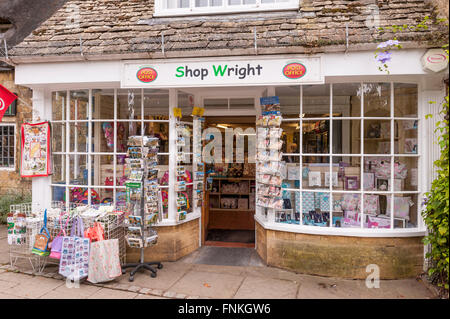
(341, 190)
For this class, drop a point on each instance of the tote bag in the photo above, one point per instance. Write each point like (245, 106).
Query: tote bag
(74, 263)
(56, 244)
(42, 240)
(104, 261)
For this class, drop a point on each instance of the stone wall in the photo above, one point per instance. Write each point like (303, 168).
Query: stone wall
(174, 242)
(341, 256)
(10, 180)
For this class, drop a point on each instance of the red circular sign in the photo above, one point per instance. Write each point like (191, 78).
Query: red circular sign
(294, 70)
(147, 75)
(436, 58)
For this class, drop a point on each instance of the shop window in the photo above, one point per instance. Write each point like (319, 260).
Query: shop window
(358, 166)
(7, 146)
(188, 7)
(91, 128)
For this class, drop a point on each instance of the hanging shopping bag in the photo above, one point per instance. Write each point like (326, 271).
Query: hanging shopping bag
(56, 244)
(95, 233)
(74, 263)
(104, 261)
(42, 240)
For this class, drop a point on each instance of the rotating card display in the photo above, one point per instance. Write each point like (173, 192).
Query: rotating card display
(142, 189)
(269, 166)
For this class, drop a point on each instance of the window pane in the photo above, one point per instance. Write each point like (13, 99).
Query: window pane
(128, 104)
(315, 136)
(59, 105)
(347, 99)
(316, 100)
(289, 214)
(78, 168)
(289, 100)
(174, 4)
(103, 104)
(377, 137)
(405, 98)
(59, 169)
(407, 136)
(346, 173)
(377, 99)
(79, 101)
(103, 169)
(201, 3)
(376, 214)
(406, 176)
(313, 174)
(58, 194)
(405, 210)
(58, 137)
(378, 170)
(345, 210)
(156, 103)
(315, 208)
(346, 136)
(78, 137)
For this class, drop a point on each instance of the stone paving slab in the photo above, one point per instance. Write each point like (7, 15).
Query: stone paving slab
(5, 285)
(35, 287)
(266, 288)
(105, 293)
(166, 277)
(8, 296)
(212, 285)
(148, 297)
(63, 292)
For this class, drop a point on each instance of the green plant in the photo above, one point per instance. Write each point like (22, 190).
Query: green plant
(11, 199)
(436, 205)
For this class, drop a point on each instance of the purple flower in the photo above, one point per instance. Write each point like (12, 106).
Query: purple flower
(383, 57)
(382, 45)
(388, 43)
(392, 42)
(425, 201)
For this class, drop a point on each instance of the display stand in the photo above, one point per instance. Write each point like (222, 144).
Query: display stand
(142, 197)
(142, 264)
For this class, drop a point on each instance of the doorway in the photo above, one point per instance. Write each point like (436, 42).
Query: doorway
(230, 188)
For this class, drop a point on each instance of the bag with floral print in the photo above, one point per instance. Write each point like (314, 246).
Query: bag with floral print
(104, 261)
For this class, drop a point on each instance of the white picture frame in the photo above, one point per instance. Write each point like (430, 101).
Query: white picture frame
(334, 177)
(314, 179)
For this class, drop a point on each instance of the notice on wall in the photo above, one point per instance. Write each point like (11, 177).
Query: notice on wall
(36, 157)
(223, 72)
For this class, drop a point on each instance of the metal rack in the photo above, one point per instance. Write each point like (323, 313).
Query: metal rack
(112, 225)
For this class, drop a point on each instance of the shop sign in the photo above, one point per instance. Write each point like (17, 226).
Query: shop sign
(435, 60)
(223, 72)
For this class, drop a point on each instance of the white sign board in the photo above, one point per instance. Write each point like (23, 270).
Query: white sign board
(435, 60)
(222, 72)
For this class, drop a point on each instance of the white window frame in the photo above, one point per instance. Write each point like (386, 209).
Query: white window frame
(268, 221)
(161, 11)
(65, 152)
(11, 168)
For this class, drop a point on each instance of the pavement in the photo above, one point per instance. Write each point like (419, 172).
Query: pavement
(200, 275)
